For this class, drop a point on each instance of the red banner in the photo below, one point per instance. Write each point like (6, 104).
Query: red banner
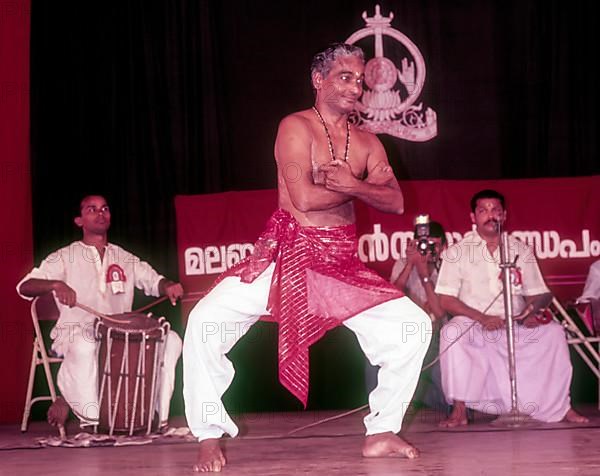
(559, 218)
(16, 255)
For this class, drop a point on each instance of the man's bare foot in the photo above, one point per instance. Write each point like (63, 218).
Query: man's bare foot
(58, 412)
(386, 444)
(458, 417)
(573, 417)
(210, 458)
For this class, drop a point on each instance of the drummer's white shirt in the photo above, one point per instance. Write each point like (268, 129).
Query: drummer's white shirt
(80, 266)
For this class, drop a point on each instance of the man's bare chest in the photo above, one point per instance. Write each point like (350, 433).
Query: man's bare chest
(321, 154)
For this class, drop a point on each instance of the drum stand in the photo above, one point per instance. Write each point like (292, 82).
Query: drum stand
(514, 418)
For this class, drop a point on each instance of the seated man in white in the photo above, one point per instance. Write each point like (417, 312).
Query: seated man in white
(85, 272)
(590, 298)
(591, 290)
(475, 365)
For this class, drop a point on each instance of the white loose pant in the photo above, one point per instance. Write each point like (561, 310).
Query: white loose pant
(475, 369)
(78, 374)
(394, 335)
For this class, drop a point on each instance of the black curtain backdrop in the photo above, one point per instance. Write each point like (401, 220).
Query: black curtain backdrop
(142, 100)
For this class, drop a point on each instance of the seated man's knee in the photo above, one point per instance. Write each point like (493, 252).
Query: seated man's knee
(556, 332)
(82, 349)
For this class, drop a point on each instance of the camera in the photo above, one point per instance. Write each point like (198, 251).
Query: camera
(423, 242)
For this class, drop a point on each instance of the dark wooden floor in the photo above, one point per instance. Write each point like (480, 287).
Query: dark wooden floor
(329, 449)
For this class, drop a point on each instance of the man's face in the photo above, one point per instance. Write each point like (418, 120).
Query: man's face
(95, 215)
(343, 86)
(488, 215)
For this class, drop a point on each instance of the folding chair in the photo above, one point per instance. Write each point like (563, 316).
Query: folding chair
(587, 346)
(43, 308)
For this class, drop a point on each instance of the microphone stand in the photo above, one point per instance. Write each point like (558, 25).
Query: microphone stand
(514, 418)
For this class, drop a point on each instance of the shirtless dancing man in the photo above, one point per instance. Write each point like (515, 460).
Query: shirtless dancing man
(305, 272)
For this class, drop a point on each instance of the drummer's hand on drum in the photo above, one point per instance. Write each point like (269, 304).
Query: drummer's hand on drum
(173, 291)
(64, 293)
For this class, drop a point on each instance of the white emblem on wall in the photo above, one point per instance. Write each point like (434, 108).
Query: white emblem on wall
(385, 108)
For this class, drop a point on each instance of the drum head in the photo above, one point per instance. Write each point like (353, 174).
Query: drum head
(131, 322)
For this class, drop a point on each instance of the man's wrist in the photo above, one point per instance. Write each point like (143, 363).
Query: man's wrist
(163, 284)
(479, 317)
(359, 188)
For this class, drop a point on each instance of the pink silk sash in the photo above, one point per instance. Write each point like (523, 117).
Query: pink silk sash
(318, 282)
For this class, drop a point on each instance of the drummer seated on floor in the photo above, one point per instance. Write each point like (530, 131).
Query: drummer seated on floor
(101, 276)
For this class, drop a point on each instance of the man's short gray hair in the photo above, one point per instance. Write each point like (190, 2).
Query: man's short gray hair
(323, 61)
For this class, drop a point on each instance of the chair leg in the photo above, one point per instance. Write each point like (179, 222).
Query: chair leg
(52, 388)
(599, 378)
(593, 351)
(49, 378)
(27, 408)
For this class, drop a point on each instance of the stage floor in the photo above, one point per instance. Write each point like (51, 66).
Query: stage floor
(332, 448)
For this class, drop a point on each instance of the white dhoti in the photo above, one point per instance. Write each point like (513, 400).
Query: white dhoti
(78, 374)
(394, 335)
(475, 369)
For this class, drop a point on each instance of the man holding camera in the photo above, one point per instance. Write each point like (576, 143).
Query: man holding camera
(473, 347)
(416, 275)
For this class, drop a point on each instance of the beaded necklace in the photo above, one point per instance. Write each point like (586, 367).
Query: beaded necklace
(329, 142)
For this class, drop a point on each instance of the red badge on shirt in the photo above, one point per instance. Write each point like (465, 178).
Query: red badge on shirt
(115, 276)
(516, 277)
